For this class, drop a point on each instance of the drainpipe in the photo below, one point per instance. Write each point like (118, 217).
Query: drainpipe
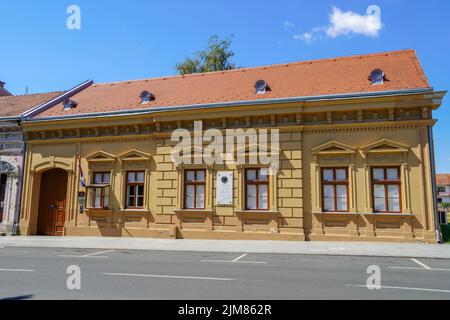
(433, 185)
(20, 186)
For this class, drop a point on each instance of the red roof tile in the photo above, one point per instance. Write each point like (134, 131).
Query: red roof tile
(11, 106)
(443, 179)
(308, 78)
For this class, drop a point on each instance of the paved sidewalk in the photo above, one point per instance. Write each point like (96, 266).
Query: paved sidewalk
(410, 250)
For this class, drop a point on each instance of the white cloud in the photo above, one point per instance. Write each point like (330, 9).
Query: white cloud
(306, 37)
(345, 23)
(288, 25)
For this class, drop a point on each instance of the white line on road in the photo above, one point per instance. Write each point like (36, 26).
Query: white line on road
(415, 268)
(97, 253)
(167, 276)
(16, 270)
(401, 288)
(240, 257)
(420, 264)
(237, 260)
(90, 255)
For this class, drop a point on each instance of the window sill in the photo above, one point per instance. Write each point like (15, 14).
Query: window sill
(134, 210)
(193, 211)
(256, 212)
(387, 214)
(339, 213)
(98, 210)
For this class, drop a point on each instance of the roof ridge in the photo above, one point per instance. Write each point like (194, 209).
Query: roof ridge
(33, 94)
(333, 59)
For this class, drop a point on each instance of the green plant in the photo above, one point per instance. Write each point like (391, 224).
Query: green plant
(445, 229)
(215, 58)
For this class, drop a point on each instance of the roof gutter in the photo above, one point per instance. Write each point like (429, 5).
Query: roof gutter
(46, 105)
(361, 95)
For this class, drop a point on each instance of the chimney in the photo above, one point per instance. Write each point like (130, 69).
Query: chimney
(2, 84)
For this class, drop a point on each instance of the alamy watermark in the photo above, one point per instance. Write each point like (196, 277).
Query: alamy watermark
(230, 147)
(73, 22)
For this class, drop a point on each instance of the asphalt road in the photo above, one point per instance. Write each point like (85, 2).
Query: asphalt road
(41, 273)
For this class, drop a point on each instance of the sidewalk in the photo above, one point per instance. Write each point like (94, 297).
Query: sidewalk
(410, 250)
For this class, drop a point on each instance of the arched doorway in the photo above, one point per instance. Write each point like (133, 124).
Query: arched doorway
(52, 203)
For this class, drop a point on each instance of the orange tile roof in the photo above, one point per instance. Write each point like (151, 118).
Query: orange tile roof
(308, 78)
(4, 92)
(11, 106)
(443, 179)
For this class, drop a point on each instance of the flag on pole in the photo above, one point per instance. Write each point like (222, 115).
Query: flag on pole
(82, 179)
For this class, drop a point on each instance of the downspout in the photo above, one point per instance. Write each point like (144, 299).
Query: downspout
(20, 187)
(433, 185)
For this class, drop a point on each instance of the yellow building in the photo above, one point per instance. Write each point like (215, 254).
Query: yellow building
(355, 157)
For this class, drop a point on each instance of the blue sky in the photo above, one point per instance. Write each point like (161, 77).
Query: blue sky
(121, 40)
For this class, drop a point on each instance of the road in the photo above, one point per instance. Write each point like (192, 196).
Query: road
(41, 274)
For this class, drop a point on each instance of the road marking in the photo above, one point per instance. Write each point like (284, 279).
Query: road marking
(17, 270)
(401, 288)
(90, 255)
(423, 267)
(415, 268)
(237, 260)
(421, 264)
(240, 257)
(167, 276)
(97, 253)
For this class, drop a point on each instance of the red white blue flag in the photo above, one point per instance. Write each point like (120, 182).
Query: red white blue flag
(82, 179)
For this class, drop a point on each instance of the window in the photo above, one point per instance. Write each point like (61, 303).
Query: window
(335, 189)
(257, 189)
(386, 190)
(377, 77)
(146, 97)
(99, 190)
(135, 189)
(442, 217)
(441, 189)
(194, 189)
(69, 104)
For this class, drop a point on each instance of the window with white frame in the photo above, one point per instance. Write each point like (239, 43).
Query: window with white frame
(194, 189)
(99, 190)
(386, 188)
(335, 196)
(256, 189)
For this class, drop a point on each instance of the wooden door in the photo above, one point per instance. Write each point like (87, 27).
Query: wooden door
(3, 180)
(52, 203)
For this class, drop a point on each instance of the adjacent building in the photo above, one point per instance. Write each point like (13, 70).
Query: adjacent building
(443, 197)
(3, 91)
(353, 152)
(11, 154)
(13, 110)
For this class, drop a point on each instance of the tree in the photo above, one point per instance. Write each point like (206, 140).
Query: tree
(215, 58)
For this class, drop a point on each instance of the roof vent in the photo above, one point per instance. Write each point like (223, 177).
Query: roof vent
(377, 76)
(261, 87)
(146, 97)
(69, 104)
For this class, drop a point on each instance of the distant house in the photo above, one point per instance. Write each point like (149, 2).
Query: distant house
(3, 91)
(443, 196)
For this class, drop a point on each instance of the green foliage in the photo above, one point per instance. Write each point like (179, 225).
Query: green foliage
(445, 229)
(215, 58)
(445, 205)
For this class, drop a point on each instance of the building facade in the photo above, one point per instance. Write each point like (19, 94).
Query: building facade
(350, 138)
(11, 155)
(443, 197)
(13, 110)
